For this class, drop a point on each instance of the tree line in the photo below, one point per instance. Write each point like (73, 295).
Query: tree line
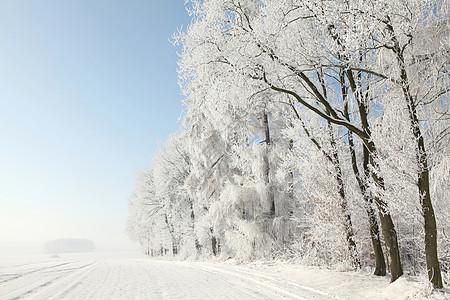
(315, 129)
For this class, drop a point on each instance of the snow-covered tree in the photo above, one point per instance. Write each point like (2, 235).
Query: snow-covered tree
(305, 117)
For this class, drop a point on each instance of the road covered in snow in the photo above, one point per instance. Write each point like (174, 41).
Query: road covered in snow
(106, 276)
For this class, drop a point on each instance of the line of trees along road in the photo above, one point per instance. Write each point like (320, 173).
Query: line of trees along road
(313, 129)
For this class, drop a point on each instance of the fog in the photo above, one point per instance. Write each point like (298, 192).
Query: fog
(25, 231)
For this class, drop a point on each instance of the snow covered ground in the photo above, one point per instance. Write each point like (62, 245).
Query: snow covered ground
(128, 275)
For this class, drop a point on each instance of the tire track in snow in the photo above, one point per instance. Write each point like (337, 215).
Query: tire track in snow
(287, 287)
(63, 287)
(188, 281)
(107, 282)
(263, 287)
(220, 284)
(27, 272)
(30, 283)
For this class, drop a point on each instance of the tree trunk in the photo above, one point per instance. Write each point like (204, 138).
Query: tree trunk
(171, 232)
(380, 264)
(388, 228)
(350, 237)
(214, 245)
(198, 247)
(433, 268)
(390, 238)
(270, 195)
(291, 181)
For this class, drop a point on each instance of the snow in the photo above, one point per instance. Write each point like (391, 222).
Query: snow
(128, 275)
(349, 284)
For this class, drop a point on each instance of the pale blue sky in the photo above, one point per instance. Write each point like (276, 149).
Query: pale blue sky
(87, 89)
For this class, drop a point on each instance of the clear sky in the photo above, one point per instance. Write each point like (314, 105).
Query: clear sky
(87, 90)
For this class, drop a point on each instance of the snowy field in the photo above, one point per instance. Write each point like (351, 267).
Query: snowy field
(128, 275)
